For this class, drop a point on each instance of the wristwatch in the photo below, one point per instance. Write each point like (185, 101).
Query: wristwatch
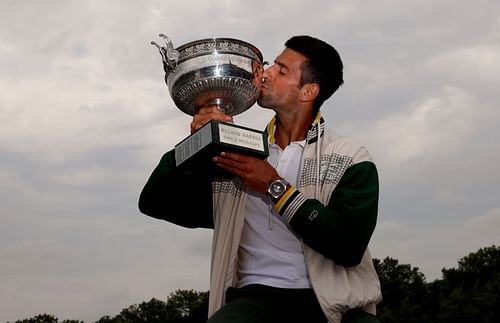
(277, 188)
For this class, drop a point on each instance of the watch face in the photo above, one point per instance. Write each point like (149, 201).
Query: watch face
(277, 188)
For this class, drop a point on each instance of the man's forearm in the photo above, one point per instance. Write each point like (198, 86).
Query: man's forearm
(342, 229)
(177, 197)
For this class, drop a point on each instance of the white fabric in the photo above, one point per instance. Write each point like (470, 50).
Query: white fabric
(270, 253)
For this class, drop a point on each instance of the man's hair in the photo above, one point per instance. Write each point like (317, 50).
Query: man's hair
(323, 66)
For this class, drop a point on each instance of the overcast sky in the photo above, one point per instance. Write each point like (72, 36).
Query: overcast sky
(85, 116)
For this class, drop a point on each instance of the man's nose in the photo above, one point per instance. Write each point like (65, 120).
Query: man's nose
(267, 73)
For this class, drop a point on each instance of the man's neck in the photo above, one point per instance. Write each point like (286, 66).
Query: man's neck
(292, 127)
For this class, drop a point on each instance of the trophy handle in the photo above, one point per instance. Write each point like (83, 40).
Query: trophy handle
(169, 55)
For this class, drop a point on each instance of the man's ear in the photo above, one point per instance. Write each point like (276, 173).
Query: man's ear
(309, 92)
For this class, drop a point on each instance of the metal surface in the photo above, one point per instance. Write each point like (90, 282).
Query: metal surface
(219, 71)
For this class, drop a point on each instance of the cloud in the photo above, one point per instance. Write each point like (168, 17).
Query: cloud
(86, 116)
(433, 126)
(439, 244)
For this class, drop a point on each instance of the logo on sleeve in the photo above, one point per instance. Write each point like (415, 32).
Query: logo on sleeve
(313, 215)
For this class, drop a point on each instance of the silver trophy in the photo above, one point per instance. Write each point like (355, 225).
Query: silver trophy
(224, 72)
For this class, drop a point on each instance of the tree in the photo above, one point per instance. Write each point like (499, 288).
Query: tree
(45, 318)
(182, 306)
(40, 318)
(404, 292)
(187, 306)
(154, 311)
(471, 292)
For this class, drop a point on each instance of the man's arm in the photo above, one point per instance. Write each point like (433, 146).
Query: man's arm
(342, 229)
(175, 196)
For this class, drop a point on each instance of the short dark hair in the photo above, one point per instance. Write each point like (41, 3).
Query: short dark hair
(323, 66)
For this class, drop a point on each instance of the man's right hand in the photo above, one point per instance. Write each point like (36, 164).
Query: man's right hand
(206, 114)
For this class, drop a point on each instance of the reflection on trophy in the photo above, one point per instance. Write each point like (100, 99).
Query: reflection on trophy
(224, 72)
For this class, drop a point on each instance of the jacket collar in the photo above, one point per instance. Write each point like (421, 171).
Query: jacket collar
(312, 131)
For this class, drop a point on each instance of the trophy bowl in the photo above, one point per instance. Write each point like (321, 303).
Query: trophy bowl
(225, 72)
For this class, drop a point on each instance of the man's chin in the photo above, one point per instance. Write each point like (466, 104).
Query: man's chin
(263, 104)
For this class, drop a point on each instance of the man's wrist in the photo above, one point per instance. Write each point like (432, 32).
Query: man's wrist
(277, 188)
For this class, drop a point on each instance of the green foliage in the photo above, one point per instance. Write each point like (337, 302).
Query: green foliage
(182, 306)
(468, 293)
(152, 312)
(404, 292)
(187, 306)
(45, 318)
(40, 318)
(471, 292)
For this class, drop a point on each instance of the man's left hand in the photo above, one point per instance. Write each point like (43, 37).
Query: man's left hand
(256, 173)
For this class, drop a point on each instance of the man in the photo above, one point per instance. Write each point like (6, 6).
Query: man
(290, 232)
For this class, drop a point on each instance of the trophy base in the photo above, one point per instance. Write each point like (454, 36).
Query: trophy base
(195, 153)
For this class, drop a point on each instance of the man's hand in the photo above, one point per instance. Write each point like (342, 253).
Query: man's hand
(256, 173)
(206, 114)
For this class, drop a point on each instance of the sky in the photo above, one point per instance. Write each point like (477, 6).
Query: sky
(85, 116)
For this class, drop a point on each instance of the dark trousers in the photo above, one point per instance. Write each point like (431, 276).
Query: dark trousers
(263, 304)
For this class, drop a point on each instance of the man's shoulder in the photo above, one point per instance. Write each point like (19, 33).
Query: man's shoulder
(334, 143)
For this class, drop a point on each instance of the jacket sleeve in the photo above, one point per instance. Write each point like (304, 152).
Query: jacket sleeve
(182, 198)
(342, 229)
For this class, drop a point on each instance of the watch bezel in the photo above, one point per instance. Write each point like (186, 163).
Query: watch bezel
(275, 193)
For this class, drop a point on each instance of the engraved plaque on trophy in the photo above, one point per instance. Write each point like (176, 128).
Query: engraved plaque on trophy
(224, 72)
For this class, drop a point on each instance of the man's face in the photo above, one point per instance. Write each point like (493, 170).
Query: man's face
(281, 86)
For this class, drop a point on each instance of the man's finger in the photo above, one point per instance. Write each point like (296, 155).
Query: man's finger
(232, 156)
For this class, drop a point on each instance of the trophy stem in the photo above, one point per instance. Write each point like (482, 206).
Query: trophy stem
(222, 104)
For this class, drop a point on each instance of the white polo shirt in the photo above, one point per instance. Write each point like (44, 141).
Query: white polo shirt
(270, 253)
